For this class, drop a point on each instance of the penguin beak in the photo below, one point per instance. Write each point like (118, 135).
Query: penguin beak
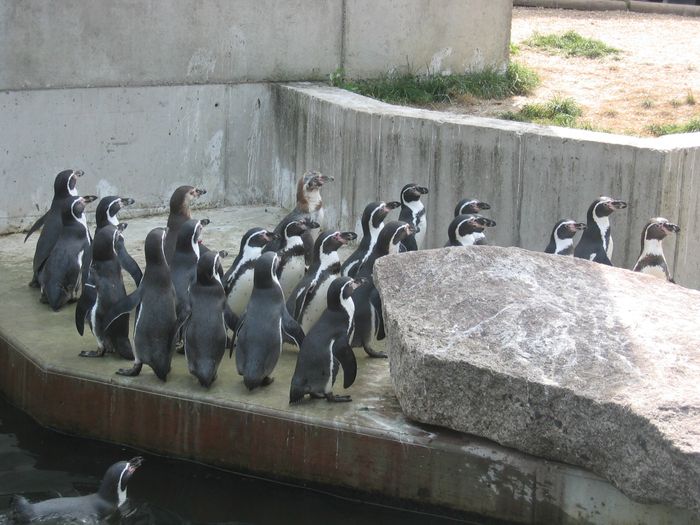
(126, 201)
(617, 205)
(345, 237)
(122, 226)
(204, 222)
(200, 191)
(271, 236)
(78, 173)
(410, 229)
(87, 199)
(356, 283)
(487, 223)
(483, 205)
(392, 206)
(311, 224)
(672, 228)
(422, 190)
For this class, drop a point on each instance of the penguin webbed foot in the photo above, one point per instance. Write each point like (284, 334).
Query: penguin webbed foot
(333, 398)
(316, 395)
(130, 372)
(267, 380)
(34, 283)
(93, 353)
(373, 353)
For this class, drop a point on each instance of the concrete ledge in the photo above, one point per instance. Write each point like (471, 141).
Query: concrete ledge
(613, 5)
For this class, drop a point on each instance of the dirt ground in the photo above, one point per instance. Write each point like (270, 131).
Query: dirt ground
(649, 82)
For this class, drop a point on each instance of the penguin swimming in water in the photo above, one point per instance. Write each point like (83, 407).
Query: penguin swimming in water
(207, 319)
(327, 346)
(264, 326)
(179, 214)
(81, 509)
(291, 251)
(372, 223)
(307, 301)
(59, 276)
(468, 230)
(413, 212)
(238, 280)
(107, 286)
(561, 242)
(156, 319)
(183, 268)
(651, 260)
(64, 186)
(471, 206)
(596, 243)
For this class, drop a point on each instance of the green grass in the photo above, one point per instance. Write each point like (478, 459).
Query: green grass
(571, 44)
(514, 49)
(690, 98)
(691, 126)
(555, 112)
(425, 89)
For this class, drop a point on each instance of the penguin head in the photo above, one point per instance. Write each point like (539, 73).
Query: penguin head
(265, 273)
(181, 198)
(604, 206)
(74, 209)
(657, 229)
(210, 270)
(297, 227)
(375, 213)
(65, 183)
(340, 291)
(412, 192)
(155, 242)
(330, 241)
(256, 238)
(470, 206)
(391, 236)
(308, 190)
(107, 209)
(567, 228)
(114, 483)
(466, 224)
(189, 236)
(104, 245)
(313, 180)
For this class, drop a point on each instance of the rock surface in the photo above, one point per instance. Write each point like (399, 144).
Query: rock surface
(558, 357)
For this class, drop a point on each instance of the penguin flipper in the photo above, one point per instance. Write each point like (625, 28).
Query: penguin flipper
(230, 317)
(123, 307)
(602, 258)
(84, 306)
(239, 326)
(128, 263)
(291, 329)
(375, 302)
(343, 353)
(38, 224)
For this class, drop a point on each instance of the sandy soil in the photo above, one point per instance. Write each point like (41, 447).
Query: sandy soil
(649, 82)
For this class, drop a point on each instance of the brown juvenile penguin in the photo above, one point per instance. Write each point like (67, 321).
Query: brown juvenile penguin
(179, 215)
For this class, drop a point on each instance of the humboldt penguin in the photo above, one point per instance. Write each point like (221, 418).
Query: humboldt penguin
(413, 212)
(102, 505)
(207, 319)
(561, 242)
(468, 230)
(372, 223)
(651, 260)
(264, 326)
(183, 268)
(64, 186)
(327, 346)
(307, 301)
(107, 286)
(59, 276)
(471, 206)
(238, 280)
(179, 215)
(291, 251)
(596, 243)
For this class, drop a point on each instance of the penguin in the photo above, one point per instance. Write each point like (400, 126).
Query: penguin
(369, 324)
(291, 251)
(651, 260)
(596, 243)
(561, 242)
(308, 300)
(372, 223)
(64, 186)
(309, 205)
(156, 319)
(183, 268)
(81, 509)
(108, 286)
(207, 319)
(59, 276)
(238, 280)
(179, 215)
(470, 207)
(327, 346)
(468, 230)
(264, 326)
(413, 212)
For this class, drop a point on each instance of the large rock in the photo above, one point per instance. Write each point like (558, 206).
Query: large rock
(558, 357)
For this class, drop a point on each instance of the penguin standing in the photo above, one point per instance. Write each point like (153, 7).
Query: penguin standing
(238, 280)
(468, 230)
(264, 326)
(207, 319)
(471, 206)
(413, 212)
(307, 301)
(291, 251)
(372, 223)
(183, 268)
(108, 284)
(596, 243)
(651, 260)
(561, 242)
(156, 320)
(59, 276)
(327, 346)
(64, 187)
(179, 214)
(81, 509)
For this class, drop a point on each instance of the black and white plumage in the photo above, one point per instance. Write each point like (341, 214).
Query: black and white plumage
(238, 280)
(183, 269)
(264, 326)
(561, 241)
(307, 301)
(468, 230)
(413, 212)
(105, 503)
(290, 248)
(596, 243)
(179, 214)
(372, 223)
(651, 259)
(470, 206)
(327, 347)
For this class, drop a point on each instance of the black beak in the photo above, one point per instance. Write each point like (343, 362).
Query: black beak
(348, 236)
(126, 201)
(483, 205)
(89, 198)
(204, 222)
(618, 205)
(392, 205)
(312, 225)
(410, 229)
(422, 190)
(483, 221)
(200, 192)
(579, 226)
(672, 227)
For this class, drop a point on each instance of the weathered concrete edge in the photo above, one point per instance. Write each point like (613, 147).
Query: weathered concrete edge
(613, 5)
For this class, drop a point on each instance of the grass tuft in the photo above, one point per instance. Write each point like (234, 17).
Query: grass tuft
(514, 49)
(691, 126)
(555, 112)
(690, 98)
(647, 103)
(571, 44)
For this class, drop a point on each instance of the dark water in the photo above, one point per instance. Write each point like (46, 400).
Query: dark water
(40, 464)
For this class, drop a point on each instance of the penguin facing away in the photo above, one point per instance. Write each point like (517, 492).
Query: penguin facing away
(183, 268)
(111, 494)
(596, 243)
(327, 346)
(470, 206)
(413, 212)
(372, 223)
(264, 326)
(561, 241)
(179, 214)
(468, 230)
(651, 260)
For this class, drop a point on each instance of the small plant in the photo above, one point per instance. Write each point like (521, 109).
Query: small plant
(647, 103)
(675, 103)
(557, 112)
(337, 77)
(514, 49)
(690, 98)
(691, 126)
(611, 113)
(572, 44)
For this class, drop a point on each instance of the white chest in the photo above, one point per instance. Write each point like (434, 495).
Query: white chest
(240, 294)
(312, 312)
(656, 271)
(292, 273)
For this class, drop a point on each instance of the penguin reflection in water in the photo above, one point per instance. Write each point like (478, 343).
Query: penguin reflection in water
(651, 260)
(81, 509)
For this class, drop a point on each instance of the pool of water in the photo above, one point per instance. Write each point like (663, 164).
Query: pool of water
(40, 463)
